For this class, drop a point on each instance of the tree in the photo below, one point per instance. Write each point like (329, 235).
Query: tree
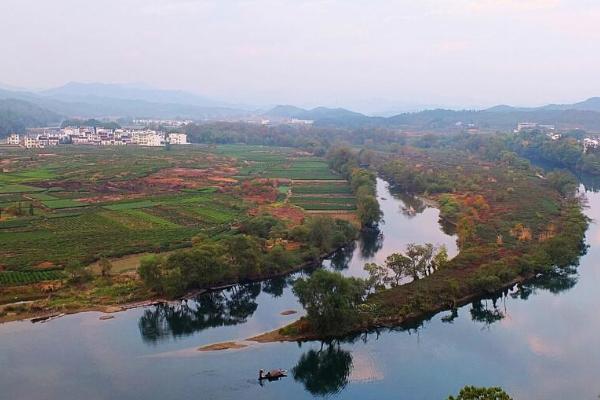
(440, 259)
(77, 272)
(564, 182)
(278, 259)
(202, 266)
(150, 272)
(330, 300)
(320, 233)
(105, 266)
(421, 257)
(368, 210)
(400, 266)
(260, 226)
(324, 233)
(244, 251)
(481, 393)
(417, 262)
(378, 275)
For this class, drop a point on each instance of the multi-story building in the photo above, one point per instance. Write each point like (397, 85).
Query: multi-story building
(524, 126)
(147, 138)
(43, 137)
(30, 142)
(590, 144)
(178, 138)
(14, 139)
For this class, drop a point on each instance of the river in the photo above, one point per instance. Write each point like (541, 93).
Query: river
(539, 341)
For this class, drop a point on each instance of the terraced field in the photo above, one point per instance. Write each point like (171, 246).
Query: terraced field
(324, 196)
(14, 278)
(67, 204)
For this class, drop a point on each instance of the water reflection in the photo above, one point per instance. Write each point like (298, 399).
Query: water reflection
(481, 311)
(221, 308)
(324, 372)
(340, 260)
(370, 242)
(411, 205)
(556, 281)
(486, 309)
(591, 183)
(275, 286)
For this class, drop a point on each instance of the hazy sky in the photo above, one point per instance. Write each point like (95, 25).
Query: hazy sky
(364, 54)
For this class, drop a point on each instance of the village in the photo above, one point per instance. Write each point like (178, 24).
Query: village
(94, 136)
(590, 143)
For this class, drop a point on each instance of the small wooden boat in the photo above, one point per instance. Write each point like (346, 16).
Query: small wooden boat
(272, 375)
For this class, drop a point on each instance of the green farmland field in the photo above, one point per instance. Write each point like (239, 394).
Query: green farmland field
(14, 278)
(17, 188)
(321, 189)
(63, 203)
(86, 203)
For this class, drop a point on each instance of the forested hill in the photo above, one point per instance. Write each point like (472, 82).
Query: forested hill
(17, 115)
(584, 115)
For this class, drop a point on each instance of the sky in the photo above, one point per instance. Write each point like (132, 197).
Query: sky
(368, 55)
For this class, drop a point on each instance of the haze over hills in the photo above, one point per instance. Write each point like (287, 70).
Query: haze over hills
(82, 92)
(116, 100)
(21, 109)
(583, 115)
(17, 115)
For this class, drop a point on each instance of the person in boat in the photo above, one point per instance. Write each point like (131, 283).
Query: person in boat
(272, 374)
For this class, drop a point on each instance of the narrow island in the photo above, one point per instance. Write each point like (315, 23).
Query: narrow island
(512, 223)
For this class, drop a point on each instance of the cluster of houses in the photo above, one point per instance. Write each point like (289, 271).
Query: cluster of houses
(591, 145)
(549, 130)
(46, 137)
(176, 123)
(528, 126)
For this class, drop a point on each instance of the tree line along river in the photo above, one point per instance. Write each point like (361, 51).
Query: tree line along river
(538, 341)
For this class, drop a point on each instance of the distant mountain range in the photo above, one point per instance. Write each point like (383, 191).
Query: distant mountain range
(20, 109)
(583, 115)
(116, 100)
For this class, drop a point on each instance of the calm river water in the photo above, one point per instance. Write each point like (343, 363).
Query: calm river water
(540, 341)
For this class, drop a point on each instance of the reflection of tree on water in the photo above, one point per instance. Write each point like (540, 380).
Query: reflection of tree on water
(556, 281)
(450, 317)
(324, 372)
(370, 242)
(411, 205)
(341, 258)
(227, 307)
(275, 286)
(591, 183)
(448, 227)
(482, 312)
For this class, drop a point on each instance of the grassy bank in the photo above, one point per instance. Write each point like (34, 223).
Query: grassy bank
(512, 224)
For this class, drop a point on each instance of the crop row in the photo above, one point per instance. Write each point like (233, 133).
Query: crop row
(321, 189)
(326, 206)
(331, 200)
(63, 203)
(14, 278)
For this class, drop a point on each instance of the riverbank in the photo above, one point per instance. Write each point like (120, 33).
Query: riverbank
(82, 299)
(299, 330)
(511, 227)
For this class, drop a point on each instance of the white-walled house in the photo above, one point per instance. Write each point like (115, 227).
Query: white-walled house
(14, 139)
(178, 138)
